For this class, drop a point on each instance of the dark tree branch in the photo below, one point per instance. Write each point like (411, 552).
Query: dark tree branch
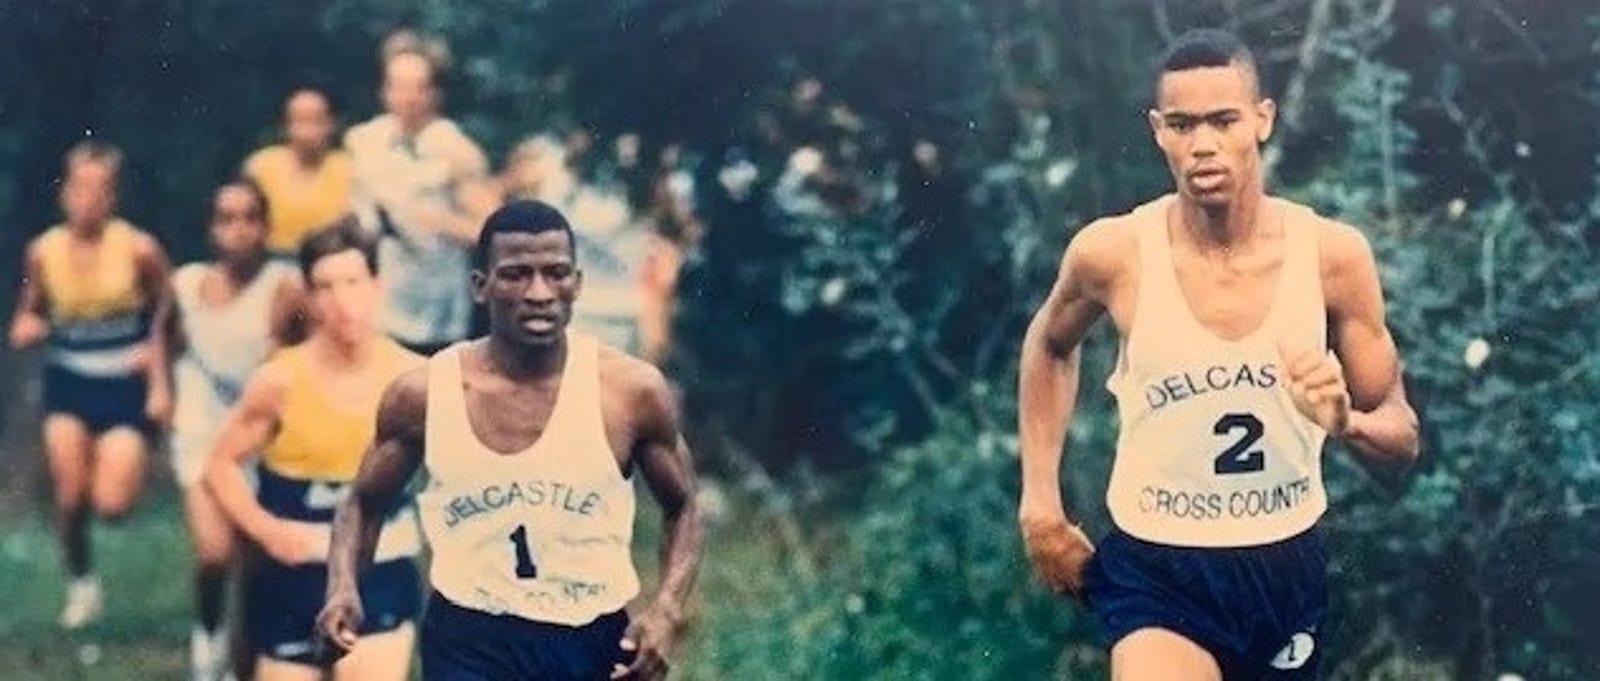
(1305, 62)
(1518, 29)
(1266, 12)
(1294, 95)
(1163, 19)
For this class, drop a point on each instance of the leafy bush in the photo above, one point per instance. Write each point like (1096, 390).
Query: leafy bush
(927, 581)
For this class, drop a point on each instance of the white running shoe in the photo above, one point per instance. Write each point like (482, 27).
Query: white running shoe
(208, 655)
(83, 603)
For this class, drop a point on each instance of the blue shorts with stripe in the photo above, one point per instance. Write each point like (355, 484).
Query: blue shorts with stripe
(92, 371)
(462, 644)
(101, 403)
(1258, 610)
(282, 601)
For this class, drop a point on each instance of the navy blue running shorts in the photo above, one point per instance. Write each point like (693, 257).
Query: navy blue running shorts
(282, 603)
(101, 403)
(1257, 609)
(461, 644)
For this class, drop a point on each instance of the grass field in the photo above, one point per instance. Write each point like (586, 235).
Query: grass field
(144, 562)
(144, 634)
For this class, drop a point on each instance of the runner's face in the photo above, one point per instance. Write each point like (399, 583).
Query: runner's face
(408, 90)
(308, 122)
(238, 232)
(1210, 123)
(530, 286)
(344, 296)
(88, 193)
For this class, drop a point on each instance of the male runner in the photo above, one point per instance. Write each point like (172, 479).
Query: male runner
(307, 178)
(229, 314)
(1226, 300)
(529, 438)
(308, 411)
(95, 292)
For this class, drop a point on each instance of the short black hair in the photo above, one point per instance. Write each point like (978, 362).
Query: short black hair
(341, 236)
(521, 217)
(251, 187)
(1206, 48)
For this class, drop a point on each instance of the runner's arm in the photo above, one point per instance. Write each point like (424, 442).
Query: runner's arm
(1383, 430)
(1048, 385)
(394, 456)
(155, 276)
(664, 458)
(28, 325)
(248, 427)
(288, 319)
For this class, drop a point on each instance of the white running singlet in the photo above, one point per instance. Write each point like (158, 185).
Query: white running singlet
(544, 534)
(225, 344)
(1212, 451)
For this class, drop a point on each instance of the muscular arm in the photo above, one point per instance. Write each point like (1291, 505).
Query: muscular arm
(476, 197)
(247, 428)
(1048, 386)
(663, 457)
(658, 281)
(155, 274)
(473, 194)
(1383, 431)
(175, 340)
(659, 452)
(287, 316)
(472, 199)
(28, 325)
(395, 454)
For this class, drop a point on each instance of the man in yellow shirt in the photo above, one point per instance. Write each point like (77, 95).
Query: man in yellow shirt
(307, 179)
(307, 415)
(94, 293)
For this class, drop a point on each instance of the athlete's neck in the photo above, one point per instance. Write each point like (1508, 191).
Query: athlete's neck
(522, 362)
(411, 127)
(242, 270)
(343, 353)
(309, 159)
(88, 231)
(1226, 227)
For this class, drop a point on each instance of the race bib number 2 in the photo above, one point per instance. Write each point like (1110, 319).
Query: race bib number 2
(1241, 456)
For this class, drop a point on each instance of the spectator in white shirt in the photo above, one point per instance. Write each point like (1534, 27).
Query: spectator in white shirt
(423, 185)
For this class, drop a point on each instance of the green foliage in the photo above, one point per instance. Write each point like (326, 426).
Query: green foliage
(853, 331)
(1486, 550)
(941, 575)
(927, 582)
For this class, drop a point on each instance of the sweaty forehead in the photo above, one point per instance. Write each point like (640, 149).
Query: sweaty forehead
(307, 104)
(535, 247)
(409, 68)
(346, 264)
(1207, 88)
(89, 171)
